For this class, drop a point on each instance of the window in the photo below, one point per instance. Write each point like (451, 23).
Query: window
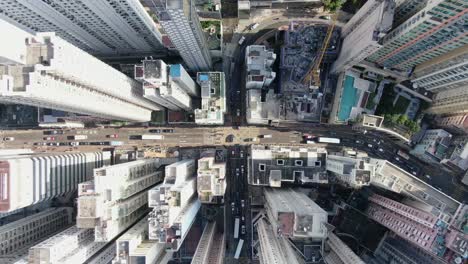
(298, 162)
(280, 162)
(261, 167)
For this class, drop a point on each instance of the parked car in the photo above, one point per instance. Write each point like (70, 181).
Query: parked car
(8, 138)
(170, 130)
(49, 138)
(53, 132)
(113, 136)
(155, 131)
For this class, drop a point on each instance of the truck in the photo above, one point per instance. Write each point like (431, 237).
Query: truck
(77, 137)
(254, 26)
(236, 227)
(403, 154)
(239, 249)
(152, 137)
(116, 143)
(328, 140)
(265, 136)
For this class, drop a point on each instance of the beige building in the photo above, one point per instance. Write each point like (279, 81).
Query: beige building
(211, 181)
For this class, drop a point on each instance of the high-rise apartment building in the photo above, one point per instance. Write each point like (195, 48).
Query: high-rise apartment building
(258, 62)
(33, 178)
(355, 172)
(73, 245)
(422, 30)
(211, 181)
(213, 98)
(362, 33)
(160, 87)
(27, 231)
(443, 73)
(337, 252)
(117, 197)
(174, 204)
(453, 101)
(293, 214)
(179, 19)
(100, 27)
(433, 145)
(58, 75)
(211, 247)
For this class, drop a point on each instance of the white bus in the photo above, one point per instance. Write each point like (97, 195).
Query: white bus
(239, 249)
(152, 137)
(236, 228)
(328, 140)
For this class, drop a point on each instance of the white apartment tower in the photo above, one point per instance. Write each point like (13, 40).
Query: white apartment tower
(55, 74)
(109, 27)
(174, 204)
(179, 19)
(211, 181)
(355, 172)
(166, 85)
(213, 98)
(21, 234)
(33, 178)
(361, 35)
(117, 197)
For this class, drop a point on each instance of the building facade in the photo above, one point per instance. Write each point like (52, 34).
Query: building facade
(447, 72)
(362, 33)
(116, 197)
(213, 98)
(422, 30)
(60, 76)
(453, 101)
(211, 181)
(211, 248)
(161, 88)
(337, 252)
(293, 214)
(433, 146)
(259, 61)
(179, 19)
(355, 172)
(33, 178)
(27, 231)
(100, 27)
(174, 205)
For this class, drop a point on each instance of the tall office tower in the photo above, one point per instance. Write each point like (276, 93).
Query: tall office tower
(213, 96)
(160, 88)
(390, 177)
(273, 165)
(418, 227)
(179, 20)
(361, 35)
(453, 101)
(355, 172)
(100, 27)
(273, 248)
(447, 72)
(259, 61)
(21, 234)
(211, 178)
(117, 197)
(58, 75)
(73, 245)
(293, 214)
(432, 28)
(174, 204)
(211, 248)
(336, 251)
(134, 247)
(33, 178)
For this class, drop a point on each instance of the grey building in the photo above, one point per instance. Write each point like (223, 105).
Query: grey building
(99, 27)
(179, 20)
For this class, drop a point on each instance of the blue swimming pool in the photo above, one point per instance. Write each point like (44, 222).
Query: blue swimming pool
(348, 98)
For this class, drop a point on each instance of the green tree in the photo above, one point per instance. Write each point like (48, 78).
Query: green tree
(332, 5)
(402, 119)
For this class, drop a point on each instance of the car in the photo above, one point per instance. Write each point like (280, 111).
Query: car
(242, 154)
(237, 169)
(53, 132)
(254, 26)
(233, 152)
(242, 203)
(358, 141)
(40, 143)
(233, 205)
(397, 158)
(243, 230)
(428, 176)
(113, 136)
(8, 138)
(380, 149)
(243, 219)
(325, 17)
(169, 130)
(276, 18)
(76, 143)
(154, 130)
(241, 41)
(369, 145)
(414, 173)
(49, 138)
(238, 112)
(53, 144)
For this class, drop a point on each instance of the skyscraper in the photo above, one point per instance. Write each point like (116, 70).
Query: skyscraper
(361, 35)
(422, 30)
(50, 72)
(180, 21)
(453, 101)
(33, 178)
(99, 27)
